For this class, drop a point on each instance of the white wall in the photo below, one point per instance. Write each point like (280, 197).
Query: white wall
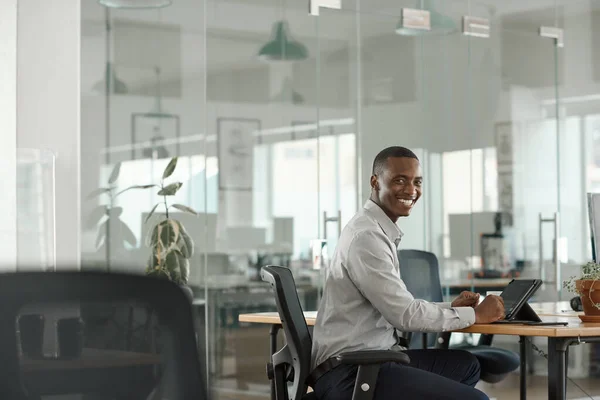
(8, 128)
(48, 105)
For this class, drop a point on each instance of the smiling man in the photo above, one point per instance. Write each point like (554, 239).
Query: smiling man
(365, 303)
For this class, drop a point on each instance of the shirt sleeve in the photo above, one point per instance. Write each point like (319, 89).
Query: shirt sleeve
(370, 265)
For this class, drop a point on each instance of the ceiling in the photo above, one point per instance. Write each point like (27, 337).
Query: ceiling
(235, 29)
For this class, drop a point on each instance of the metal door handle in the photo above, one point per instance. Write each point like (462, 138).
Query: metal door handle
(337, 219)
(556, 257)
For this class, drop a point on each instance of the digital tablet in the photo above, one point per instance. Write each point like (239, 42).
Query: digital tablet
(516, 294)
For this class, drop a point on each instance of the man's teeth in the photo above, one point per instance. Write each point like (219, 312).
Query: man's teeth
(406, 202)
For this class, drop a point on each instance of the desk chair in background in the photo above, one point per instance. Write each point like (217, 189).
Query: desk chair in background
(293, 361)
(46, 350)
(420, 272)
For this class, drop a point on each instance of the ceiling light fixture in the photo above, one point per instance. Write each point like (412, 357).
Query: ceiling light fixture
(440, 24)
(135, 4)
(282, 47)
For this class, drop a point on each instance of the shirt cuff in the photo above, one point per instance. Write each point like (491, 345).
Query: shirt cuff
(466, 315)
(445, 305)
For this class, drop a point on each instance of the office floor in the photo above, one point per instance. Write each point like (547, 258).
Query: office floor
(505, 390)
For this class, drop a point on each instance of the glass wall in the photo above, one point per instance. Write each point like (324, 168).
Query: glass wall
(275, 116)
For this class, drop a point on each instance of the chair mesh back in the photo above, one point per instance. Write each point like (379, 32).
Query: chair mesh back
(420, 272)
(96, 336)
(296, 331)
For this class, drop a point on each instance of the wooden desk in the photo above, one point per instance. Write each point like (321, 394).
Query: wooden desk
(559, 339)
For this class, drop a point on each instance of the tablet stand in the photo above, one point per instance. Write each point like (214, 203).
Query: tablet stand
(526, 313)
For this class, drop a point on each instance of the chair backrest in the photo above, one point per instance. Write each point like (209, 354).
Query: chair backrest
(420, 272)
(61, 333)
(297, 351)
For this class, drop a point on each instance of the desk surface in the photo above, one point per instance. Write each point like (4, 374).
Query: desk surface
(548, 311)
(92, 358)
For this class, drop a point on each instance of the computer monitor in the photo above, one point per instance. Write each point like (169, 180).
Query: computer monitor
(594, 219)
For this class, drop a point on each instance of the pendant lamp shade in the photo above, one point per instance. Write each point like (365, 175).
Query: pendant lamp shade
(282, 47)
(441, 24)
(135, 4)
(117, 86)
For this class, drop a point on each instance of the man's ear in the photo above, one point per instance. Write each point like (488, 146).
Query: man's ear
(374, 183)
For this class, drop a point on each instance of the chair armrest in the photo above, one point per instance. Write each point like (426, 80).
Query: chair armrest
(366, 357)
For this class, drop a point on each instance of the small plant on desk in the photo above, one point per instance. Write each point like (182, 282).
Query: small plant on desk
(587, 286)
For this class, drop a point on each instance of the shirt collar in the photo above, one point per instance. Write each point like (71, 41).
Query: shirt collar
(391, 230)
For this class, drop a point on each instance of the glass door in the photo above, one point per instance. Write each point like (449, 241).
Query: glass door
(513, 77)
(338, 90)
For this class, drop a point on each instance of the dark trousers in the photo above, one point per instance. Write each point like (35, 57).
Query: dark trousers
(432, 374)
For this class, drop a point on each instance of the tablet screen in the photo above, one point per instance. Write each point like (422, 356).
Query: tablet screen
(515, 292)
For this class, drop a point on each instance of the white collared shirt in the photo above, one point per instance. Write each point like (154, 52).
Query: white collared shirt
(365, 300)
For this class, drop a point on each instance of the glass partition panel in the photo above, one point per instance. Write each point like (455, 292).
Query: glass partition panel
(577, 106)
(36, 213)
(261, 118)
(515, 190)
(142, 103)
(338, 91)
(390, 101)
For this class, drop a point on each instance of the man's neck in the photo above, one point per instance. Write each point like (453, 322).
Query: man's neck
(376, 201)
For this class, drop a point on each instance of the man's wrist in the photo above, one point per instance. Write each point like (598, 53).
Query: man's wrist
(467, 314)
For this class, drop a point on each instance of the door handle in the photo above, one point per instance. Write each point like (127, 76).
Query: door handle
(555, 220)
(337, 219)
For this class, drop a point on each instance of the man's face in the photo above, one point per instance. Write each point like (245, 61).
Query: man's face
(398, 187)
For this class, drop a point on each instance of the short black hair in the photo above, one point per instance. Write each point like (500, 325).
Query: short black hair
(394, 151)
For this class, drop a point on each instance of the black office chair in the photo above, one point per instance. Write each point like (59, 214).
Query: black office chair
(293, 361)
(46, 349)
(420, 273)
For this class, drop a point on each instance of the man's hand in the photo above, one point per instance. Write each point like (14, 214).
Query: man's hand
(491, 309)
(466, 299)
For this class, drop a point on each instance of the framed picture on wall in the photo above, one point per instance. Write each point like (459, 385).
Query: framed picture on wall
(235, 152)
(504, 144)
(154, 135)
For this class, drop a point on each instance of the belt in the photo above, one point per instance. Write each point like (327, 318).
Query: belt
(321, 370)
(335, 362)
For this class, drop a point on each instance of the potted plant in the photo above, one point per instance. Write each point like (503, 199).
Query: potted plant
(170, 245)
(587, 286)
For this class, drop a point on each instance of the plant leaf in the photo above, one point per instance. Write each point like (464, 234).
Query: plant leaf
(97, 192)
(95, 216)
(170, 190)
(177, 266)
(185, 242)
(170, 168)
(151, 212)
(181, 207)
(168, 233)
(135, 187)
(114, 175)
(152, 238)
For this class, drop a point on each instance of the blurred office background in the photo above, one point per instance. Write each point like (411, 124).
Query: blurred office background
(276, 115)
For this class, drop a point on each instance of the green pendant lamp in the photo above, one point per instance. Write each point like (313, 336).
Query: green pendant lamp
(116, 86)
(440, 24)
(282, 47)
(135, 4)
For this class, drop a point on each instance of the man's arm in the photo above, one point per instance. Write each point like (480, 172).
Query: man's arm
(370, 265)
